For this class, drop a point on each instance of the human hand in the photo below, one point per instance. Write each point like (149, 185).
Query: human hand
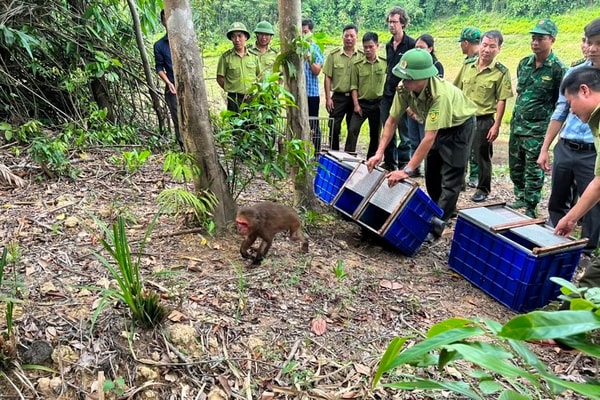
(565, 226)
(543, 160)
(396, 176)
(373, 161)
(493, 133)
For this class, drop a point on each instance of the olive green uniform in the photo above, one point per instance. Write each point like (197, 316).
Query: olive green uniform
(485, 88)
(338, 66)
(537, 92)
(239, 73)
(266, 60)
(367, 79)
(591, 276)
(447, 110)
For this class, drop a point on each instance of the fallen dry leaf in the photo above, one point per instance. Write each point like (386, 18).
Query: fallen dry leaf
(390, 285)
(177, 316)
(318, 326)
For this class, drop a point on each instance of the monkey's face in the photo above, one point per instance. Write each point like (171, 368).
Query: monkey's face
(243, 226)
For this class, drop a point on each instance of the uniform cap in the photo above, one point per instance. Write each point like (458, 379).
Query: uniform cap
(545, 27)
(237, 27)
(264, 27)
(470, 34)
(415, 64)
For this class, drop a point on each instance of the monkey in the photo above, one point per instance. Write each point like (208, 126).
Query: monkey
(263, 220)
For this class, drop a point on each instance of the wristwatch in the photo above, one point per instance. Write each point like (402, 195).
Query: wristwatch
(408, 171)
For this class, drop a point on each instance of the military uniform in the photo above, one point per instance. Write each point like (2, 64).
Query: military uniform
(239, 73)
(445, 109)
(537, 92)
(338, 67)
(367, 79)
(485, 88)
(266, 60)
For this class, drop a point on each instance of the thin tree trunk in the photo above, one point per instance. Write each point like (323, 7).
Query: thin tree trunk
(139, 38)
(289, 27)
(194, 123)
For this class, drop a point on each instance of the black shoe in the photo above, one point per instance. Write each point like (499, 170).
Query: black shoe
(473, 183)
(479, 197)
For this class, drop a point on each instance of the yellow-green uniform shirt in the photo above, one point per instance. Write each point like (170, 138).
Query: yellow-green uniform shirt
(266, 60)
(338, 67)
(239, 72)
(440, 104)
(594, 124)
(485, 87)
(368, 78)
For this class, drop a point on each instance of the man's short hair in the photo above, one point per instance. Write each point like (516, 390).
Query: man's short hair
(401, 12)
(592, 29)
(494, 34)
(589, 76)
(370, 36)
(350, 26)
(309, 23)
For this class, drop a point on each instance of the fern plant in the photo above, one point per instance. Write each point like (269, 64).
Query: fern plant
(178, 201)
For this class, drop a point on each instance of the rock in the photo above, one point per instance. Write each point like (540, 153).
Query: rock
(38, 352)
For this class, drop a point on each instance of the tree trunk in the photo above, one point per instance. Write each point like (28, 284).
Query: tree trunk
(297, 117)
(139, 37)
(194, 122)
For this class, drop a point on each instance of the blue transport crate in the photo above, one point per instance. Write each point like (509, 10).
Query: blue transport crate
(401, 214)
(512, 257)
(333, 171)
(356, 189)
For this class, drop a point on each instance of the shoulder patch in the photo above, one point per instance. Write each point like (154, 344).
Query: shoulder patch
(578, 62)
(433, 115)
(501, 67)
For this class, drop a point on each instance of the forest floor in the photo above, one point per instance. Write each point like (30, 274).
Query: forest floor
(234, 330)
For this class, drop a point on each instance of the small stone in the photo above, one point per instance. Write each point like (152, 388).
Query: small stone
(38, 353)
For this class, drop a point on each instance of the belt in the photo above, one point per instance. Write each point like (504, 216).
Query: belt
(486, 116)
(579, 146)
(346, 94)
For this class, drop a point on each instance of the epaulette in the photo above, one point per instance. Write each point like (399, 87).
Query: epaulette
(382, 58)
(228, 52)
(253, 50)
(336, 50)
(360, 51)
(471, 59)
(274, 50)
(578, 62)
(501, 67)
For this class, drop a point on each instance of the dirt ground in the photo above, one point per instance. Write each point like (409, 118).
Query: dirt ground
(234, 330)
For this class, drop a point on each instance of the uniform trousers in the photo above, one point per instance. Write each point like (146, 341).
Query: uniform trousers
(370, 111)
(483, 151)
(571, 166)
(446, 163)
(342, 107)
(526, 175)
(395, 153)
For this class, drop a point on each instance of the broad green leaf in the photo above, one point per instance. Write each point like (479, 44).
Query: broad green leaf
(490, 362)
(550, 324)
(426, 384)
(416, 352)
(448, 324)
(578, 304)
(390, 353)
(590, 390)
(581, 343)
(490, 387)
(566, 287)
(512, 395)
(446, 357)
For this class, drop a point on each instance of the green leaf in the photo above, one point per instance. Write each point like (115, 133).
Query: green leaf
(490, 387)
(426, 384)
(590, 390)
(550, 325)
(448, 324)
(490, 361)
(390, 353)
(566, 287)
(512, 395)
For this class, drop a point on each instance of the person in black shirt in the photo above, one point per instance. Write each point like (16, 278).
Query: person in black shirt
(399, 44)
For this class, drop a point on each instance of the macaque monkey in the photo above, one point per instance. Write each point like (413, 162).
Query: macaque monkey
(263, 220)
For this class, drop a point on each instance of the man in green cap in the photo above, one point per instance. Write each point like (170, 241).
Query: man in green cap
(262, 47)
(337, 67)
(449, 126)
(486, 81)
(538, 82)
(237, 67)
(469, 45)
